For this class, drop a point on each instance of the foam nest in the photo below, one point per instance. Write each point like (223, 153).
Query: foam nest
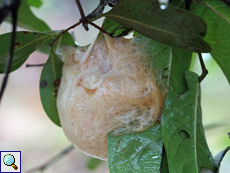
(109, 86)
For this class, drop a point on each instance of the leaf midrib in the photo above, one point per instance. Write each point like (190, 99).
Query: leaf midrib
(142, 25)
(22, 47)
(218, 13)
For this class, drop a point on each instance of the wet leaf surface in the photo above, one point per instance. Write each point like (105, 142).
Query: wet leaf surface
(139, 153)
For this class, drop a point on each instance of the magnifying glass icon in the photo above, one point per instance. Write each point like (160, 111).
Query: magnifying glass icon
(9, 160)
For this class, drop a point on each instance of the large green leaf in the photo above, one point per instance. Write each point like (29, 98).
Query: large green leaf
(26, 18)
(180, 63)
(139, 153)
(217, 16)
(49, 83)
(173, 26)
(26, 43)
(182, 130)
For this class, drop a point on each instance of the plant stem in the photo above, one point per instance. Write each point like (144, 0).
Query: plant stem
(52, 161)
(83, 18)
(204, 70)
(63, 32)
(14, 8)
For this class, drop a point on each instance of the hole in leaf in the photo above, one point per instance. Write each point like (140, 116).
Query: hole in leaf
(184, 134)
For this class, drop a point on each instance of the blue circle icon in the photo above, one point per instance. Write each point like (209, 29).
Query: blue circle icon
(8, 159)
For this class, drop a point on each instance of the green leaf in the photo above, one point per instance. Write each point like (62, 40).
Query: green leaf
(34, 3)
(217, 16)
(49, 83)
(182, 131)
(173, 26)
(26, 43)
(164, 164)
(93, 163)
(161, 57)
(219, 157)
(113, 27)
(27, 20)
(180, 63)
(139, 153)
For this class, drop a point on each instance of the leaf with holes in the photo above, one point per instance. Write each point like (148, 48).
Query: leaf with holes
(217, 16)
(173, 26)
(49, 83)
(182, 131)
(139, 153)
(26, 43)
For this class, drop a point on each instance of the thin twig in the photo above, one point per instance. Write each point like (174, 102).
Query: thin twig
(35, 65)
(63, 32)
(99, 28)
(83, 18)
(124, 33)
(204, 70)
(52, 161)
(10, 58)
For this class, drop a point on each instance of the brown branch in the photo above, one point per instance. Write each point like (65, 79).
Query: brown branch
(124, 33)
(99, 28)
(52, 161)
(83, 18)
(204, 70)
(35, 65)
(63, 32)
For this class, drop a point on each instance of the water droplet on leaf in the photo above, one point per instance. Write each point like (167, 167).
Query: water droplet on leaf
(163, 4)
